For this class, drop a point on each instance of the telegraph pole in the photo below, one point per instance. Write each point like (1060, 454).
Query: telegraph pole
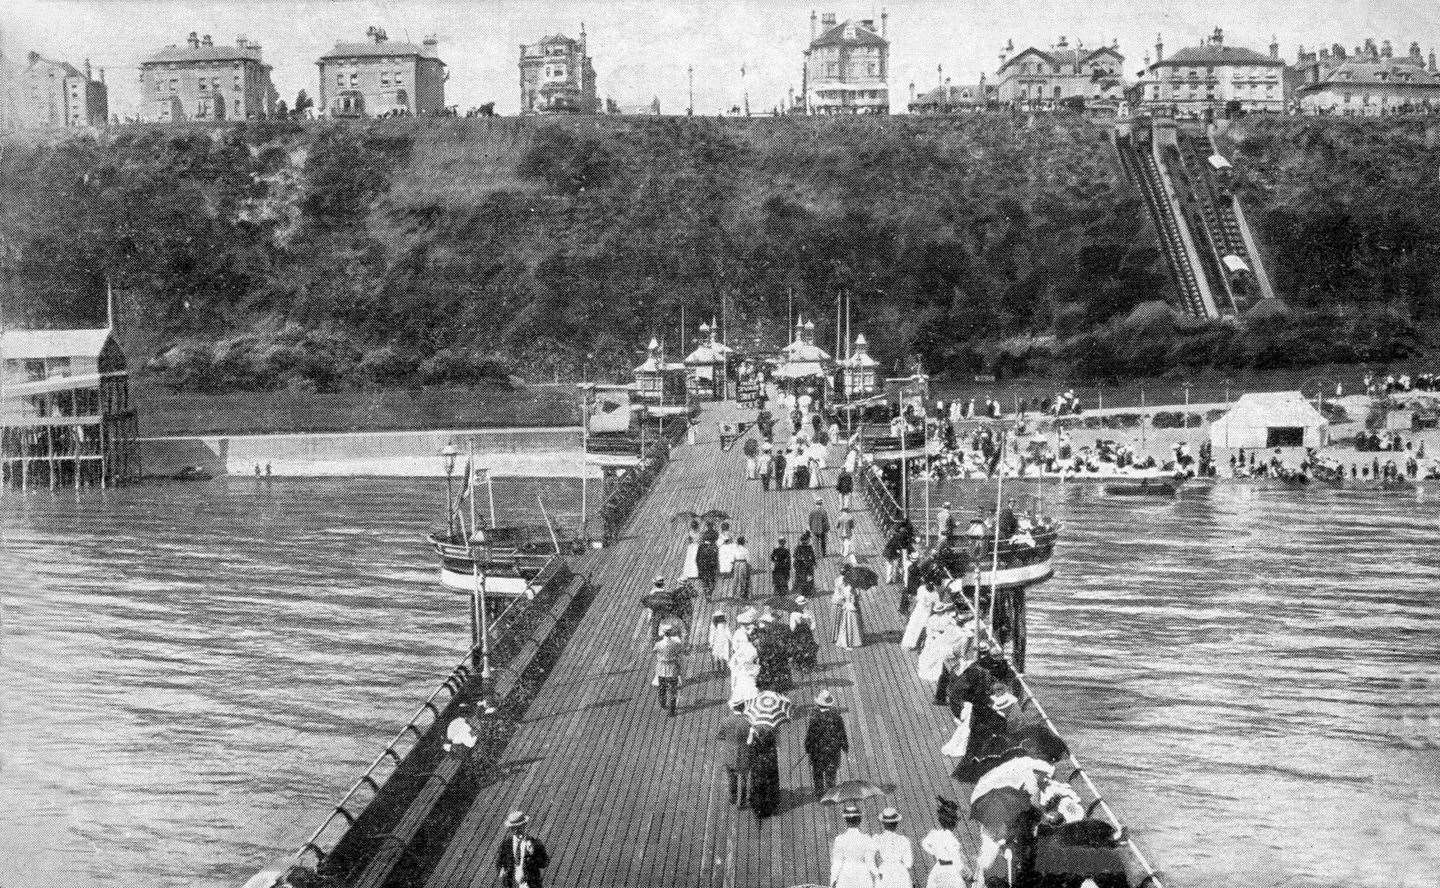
(690, 73)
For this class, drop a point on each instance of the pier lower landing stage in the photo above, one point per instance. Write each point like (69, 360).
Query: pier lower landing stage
(622, 795)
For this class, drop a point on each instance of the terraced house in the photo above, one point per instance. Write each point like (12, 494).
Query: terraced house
(1213, 78)
(380, 77)
(1063, 76)
(847, 67)
(206, 82)
(1370, 83)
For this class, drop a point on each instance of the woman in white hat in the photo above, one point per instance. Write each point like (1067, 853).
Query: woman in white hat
(744, 659)
(942, 634)
(851, 634)
(893, 853)
(720, 639)
(949, 870)
(925, 600)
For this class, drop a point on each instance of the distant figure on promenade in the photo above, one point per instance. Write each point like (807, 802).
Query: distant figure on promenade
(852, 854)
(772, 648)
(734, 738)
(720, 639)
(779, 463)
(845, 527)
(668, 651)
(752, 459)
(522, 858)
(267, 470)
(825, 742)
(727, 549)
(780, 564)
(804, 649)
(744, 659)
(767, 467)
(851, 631)
(819, 521)
(894, 855)
(257, 470)
(707, 564)
(899, 543)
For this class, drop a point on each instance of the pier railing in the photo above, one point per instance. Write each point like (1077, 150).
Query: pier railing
(620, 502)
(557, 587)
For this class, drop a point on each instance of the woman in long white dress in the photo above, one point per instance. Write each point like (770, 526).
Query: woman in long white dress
(948, 869)
(851, 634)
(920, 613)
(894, 856)
(720, 639)
(744, 669)
(942, 633)
(727, 550)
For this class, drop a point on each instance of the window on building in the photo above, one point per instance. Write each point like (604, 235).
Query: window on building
(237, 81)
(399, 78)
(204, 85)
(832, 69)
(1057, 92)
(354, 78)
(339, 79)
(384, 78)
(872, 69)
(34, 369)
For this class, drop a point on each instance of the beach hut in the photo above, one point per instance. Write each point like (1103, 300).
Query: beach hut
(803, 359)
(659, 381)
(1271, 419)
(705, 367)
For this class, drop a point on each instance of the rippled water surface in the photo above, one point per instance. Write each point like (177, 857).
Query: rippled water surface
(192, 674)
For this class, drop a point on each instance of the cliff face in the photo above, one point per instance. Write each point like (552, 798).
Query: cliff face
(444, 251)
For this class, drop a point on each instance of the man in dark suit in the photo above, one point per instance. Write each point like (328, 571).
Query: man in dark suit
(735, 736)
(820, 526)
(803, 562)
(825, 742)
(521, 857)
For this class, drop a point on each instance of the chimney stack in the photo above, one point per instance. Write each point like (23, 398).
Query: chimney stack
(1274, 46)
(814, 28)
(827, 20)
(1386, 50)
(33, 56)
(1415, 55)
(1432, 61)
(87, 70)
(206, 41)
(102, 75)
(193, 40)
(884, 16)
(1159, 50)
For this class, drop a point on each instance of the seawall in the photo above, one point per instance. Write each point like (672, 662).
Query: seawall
(543, 452)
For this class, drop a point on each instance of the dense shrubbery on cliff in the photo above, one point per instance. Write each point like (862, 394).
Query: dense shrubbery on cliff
(421, 251)
(446, 252)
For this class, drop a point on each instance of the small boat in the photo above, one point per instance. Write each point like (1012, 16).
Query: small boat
(1144, 487)
(192, 473)
(1024, 560)
(505, 560)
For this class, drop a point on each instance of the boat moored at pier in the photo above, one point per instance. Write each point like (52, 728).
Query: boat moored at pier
(504, 561)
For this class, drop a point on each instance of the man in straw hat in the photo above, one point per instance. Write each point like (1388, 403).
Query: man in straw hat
(825, 742)
(894, 853)
(668, 651)
(521, 857)
(852, 854)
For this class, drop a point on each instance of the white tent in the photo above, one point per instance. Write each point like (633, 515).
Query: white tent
(1269, 420)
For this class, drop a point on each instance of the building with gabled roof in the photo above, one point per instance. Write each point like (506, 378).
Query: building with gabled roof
(65, 414)
(951, 98)
(1213, 78)
(380, 77)
(1063, 76)
(557, 76)
(205, 81)
(847, 66)
(53, 93)
(1371, 82)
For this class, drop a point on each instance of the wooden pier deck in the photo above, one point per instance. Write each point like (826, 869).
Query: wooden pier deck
(622, 795)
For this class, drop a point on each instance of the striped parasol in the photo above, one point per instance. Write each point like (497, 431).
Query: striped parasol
(768, 710)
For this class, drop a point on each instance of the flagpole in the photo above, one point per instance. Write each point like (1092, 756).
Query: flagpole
(995, 550)
(584, 459)
(490, 494)
(469, 484)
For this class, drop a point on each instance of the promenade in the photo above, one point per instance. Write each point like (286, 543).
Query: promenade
(622, 795)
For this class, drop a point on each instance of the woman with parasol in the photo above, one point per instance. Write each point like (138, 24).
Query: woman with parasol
(766, 713)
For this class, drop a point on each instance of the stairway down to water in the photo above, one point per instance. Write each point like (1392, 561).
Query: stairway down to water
(1139, 164)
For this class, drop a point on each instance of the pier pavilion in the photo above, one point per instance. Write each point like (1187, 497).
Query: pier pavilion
(65, 414)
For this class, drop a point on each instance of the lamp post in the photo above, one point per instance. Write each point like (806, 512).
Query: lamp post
(449, 453)
(1186, 419)
(1228, 384)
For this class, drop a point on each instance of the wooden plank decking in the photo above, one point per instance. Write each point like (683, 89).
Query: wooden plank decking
(622, 795)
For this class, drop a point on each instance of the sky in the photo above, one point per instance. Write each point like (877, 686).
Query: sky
(641, 48)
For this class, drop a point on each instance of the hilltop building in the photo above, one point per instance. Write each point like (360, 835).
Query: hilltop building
(1371, 82)
(1212, 78)
(65, 414)
(1063, 76)
(847, 67)
(53, 93)
(380, 77)
(557, 77)
(950, 98)
(204, 81)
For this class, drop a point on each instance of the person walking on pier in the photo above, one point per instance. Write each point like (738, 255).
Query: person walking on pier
(804, 562)
(740, 569)
(522, 858)
(949, 870)
(845, 527)
(668, 651)
(767, 467)
(707, 564)
(764, 758)
(735, 741)
(780, 568)
(845, 485)
(820, 526)
(852, 854)
(894, 854)
(778, 462)
(851, 631)
(825, 742)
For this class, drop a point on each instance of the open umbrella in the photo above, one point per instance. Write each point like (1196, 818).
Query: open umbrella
(768, 710)
(1001, 811)
(716, 515)
(658, 600)
(787, 603)
(855, 791)
(862, 578)
(1041, 742)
